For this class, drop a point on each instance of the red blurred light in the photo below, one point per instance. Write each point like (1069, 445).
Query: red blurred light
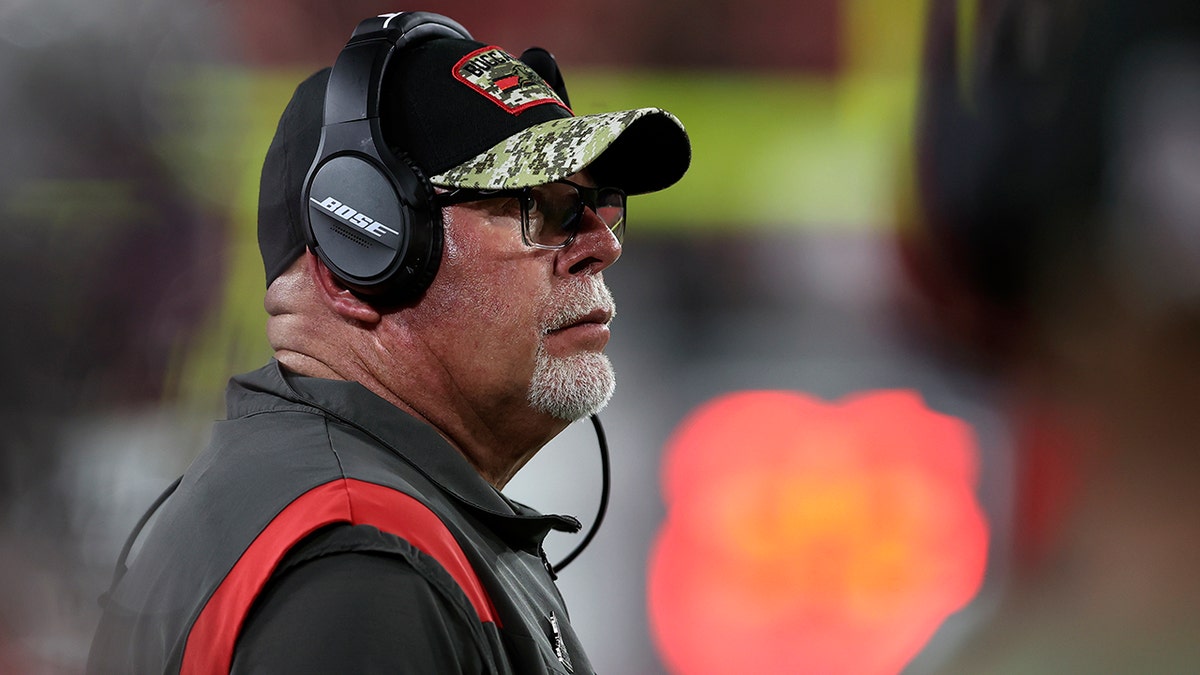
(812, 537)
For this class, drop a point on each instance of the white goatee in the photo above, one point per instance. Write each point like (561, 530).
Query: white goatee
(575, 386)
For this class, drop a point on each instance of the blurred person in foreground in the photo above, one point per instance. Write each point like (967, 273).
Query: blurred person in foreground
(1060, 179)
(434, 257)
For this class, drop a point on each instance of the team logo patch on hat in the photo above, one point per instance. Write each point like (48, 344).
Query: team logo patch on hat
(504, 80)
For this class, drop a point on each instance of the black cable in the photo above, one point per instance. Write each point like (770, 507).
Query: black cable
(120, 569)
(604, 489)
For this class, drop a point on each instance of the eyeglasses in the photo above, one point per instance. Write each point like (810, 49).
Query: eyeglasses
(552, 214)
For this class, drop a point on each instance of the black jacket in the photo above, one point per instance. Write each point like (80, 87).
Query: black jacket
(324, 530)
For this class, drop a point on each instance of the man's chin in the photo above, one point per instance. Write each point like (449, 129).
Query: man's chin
(572, 387)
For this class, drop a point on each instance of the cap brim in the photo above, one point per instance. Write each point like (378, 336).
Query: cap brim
(639, 151)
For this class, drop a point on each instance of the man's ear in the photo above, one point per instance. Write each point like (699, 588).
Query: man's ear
(336, 296)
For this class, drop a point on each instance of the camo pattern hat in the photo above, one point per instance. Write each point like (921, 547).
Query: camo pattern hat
(473, 116)
(470, 115)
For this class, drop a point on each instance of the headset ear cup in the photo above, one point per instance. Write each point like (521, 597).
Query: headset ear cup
(372, 223)
(369, 210)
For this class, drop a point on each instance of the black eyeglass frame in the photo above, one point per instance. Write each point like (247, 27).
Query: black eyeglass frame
(589, 197)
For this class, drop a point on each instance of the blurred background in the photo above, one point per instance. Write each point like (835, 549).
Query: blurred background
(847, 438)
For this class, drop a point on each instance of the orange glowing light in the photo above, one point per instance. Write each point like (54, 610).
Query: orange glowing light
(812, 537)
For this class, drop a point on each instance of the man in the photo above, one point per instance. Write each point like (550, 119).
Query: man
(347, 517)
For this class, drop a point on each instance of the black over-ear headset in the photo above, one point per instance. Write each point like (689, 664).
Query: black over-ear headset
(368, 212)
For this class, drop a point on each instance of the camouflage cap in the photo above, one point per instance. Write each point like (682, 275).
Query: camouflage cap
(559, 148)
(473, 116)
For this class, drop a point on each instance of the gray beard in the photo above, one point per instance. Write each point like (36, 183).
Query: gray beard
(571, 387)
(576, 386)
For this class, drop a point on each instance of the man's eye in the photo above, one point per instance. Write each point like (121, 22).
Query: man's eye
(537, 214)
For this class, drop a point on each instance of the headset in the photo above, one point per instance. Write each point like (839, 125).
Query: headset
(368, 212)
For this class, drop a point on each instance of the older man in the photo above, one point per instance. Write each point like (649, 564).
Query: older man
(434, 243)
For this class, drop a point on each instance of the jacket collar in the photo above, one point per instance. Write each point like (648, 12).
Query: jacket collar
(414, 441)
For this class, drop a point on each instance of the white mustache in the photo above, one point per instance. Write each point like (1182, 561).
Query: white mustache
(589, 296)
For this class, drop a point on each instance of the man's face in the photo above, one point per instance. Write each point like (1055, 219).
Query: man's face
(517, 328)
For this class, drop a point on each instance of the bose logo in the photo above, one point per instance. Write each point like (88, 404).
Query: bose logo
(353, 217)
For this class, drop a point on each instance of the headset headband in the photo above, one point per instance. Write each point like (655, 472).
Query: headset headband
(351, 96)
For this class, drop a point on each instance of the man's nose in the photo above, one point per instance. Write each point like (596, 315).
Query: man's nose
(595, 247)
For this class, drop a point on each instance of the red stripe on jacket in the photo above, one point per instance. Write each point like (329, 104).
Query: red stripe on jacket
(210, 643)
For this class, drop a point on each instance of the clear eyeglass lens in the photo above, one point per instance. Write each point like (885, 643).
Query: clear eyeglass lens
(555, 212)
(610, 206)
